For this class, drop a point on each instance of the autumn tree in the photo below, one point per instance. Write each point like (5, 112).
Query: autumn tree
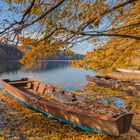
(117, 52)
(43, 27)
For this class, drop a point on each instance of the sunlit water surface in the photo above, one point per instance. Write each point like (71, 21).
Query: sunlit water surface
(60, 73)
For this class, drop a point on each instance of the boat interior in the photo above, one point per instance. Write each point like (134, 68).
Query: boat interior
(43, 90)
(63, 97)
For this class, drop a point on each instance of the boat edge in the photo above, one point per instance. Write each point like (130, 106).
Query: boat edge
(34, 108)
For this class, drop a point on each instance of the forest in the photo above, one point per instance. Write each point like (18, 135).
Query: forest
(9, 52)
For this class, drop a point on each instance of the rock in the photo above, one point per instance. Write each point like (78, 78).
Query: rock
(137, 85)
(130, 86)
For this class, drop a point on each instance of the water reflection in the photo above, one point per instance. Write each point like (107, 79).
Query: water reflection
(60, 73)
(114, 101)
(50, 65)
(9, 66)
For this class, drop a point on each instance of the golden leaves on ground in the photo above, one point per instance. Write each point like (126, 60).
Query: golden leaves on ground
(19, 122)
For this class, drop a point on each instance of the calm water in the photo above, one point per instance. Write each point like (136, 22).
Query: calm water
(60, 73)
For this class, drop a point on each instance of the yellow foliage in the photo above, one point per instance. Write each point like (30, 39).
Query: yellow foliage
(117, 52)
(58, 27)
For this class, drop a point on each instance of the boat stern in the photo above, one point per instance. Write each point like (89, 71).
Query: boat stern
(124, 122)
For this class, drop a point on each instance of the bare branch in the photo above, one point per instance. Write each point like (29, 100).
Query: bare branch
(106, 34)
(46, 13)
(27, 11)
(109, 11)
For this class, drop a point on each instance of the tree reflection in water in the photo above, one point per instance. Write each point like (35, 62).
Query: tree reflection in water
(60, 73)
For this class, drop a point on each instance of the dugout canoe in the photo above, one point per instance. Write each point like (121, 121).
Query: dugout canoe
(68, 107)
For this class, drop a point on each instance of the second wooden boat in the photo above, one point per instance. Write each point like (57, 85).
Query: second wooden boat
(68, 107)
(128, 71)
(120, 75)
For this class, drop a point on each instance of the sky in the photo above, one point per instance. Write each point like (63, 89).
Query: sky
(83, 47)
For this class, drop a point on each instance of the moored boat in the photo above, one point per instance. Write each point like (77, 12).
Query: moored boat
(128, 71)
(119, 74)
(68, 107)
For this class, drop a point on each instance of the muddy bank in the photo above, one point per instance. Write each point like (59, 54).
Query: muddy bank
(131, 87)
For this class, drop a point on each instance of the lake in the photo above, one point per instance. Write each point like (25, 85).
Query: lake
(57, 72)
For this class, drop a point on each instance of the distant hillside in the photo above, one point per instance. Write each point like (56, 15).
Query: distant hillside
(9, 52)
(65, 56)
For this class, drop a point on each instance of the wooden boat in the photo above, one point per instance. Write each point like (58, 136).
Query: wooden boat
(68, 107)
(119, 74)
(127, 71)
